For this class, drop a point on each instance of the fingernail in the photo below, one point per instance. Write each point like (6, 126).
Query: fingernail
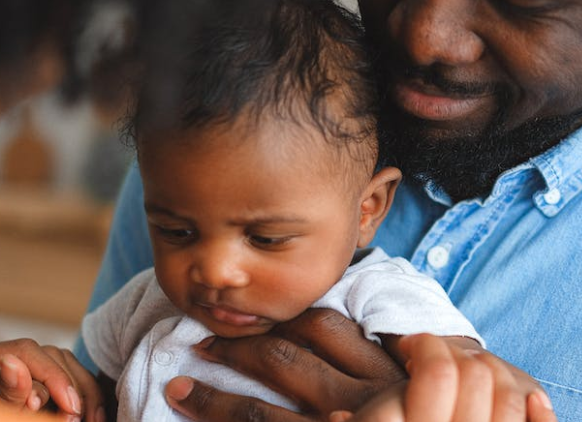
(8, 371)
(72, 418)
(340, 416)
(473, 352)
(34, 402)
(544, 400)
(100, 415)
(74, 400)
(179, 388)
(205, 344)
(201, 350)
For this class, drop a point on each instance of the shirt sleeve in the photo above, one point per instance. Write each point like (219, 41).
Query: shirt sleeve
(107, 331)
(406, 303)
(128, 251)
(389, 296)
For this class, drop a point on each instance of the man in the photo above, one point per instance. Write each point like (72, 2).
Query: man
(487, 105)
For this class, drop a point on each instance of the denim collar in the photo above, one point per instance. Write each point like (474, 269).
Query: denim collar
(560, 168)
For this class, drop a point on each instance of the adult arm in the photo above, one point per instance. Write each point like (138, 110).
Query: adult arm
(346, 372)
(128, 251)
(343, 370)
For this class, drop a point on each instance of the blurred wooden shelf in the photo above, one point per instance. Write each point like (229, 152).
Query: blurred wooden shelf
(50, 251)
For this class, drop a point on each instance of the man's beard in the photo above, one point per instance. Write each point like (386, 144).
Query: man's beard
(466, 164)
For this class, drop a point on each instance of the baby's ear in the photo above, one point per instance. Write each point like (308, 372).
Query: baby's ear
(376, 201)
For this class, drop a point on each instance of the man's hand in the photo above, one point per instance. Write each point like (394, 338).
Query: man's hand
(30, 375)
(342, 371)
(345, 371)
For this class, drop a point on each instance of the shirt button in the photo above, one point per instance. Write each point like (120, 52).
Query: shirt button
(438, 257)
(163, 358)
(553, 196)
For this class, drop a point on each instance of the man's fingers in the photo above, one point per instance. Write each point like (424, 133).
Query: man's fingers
(17, 386)
(88, 389)
(45, 370)
(57, 379)
(84, 396)
(31, 373)
(292, 371)
(39, 396)
(344, 371)
(201, 402)
(340, 341)
(15, 380)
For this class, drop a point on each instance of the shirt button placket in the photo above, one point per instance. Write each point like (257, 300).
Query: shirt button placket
(553, 196)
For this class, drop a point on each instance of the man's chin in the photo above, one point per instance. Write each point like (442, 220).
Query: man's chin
(466, 163)
(435, 132)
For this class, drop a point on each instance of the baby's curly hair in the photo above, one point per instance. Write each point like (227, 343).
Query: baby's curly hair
(304, 61)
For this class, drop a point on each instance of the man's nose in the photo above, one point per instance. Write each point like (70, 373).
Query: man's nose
(219, 267)
(437, 31)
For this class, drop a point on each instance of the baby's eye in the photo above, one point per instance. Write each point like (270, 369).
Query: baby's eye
(266, 242)
(176, 235)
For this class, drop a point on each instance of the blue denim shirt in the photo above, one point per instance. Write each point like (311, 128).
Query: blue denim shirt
(511, 262)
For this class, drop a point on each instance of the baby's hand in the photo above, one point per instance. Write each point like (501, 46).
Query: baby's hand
(473, 384)
(449, 383)
(30, 375)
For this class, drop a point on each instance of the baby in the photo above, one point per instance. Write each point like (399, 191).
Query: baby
(260, 199)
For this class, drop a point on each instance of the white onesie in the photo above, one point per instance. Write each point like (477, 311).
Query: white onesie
(140, 339)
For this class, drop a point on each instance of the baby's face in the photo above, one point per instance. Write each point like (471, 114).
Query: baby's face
(247, 232)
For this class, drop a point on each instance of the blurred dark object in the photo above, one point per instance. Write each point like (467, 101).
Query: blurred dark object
(36, 40)
(102, 59)
(26, 24)
(162, 31)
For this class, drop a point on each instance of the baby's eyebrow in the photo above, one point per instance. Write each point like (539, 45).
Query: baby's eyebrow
(151, 208)
(254, 220)
(272, 219)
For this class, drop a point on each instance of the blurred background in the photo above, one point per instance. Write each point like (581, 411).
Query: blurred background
(61, 165)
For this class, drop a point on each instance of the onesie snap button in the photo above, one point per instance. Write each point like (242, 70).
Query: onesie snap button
(163, 358)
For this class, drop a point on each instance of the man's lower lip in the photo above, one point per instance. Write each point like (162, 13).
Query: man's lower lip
(232, 317)
(434, 107)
